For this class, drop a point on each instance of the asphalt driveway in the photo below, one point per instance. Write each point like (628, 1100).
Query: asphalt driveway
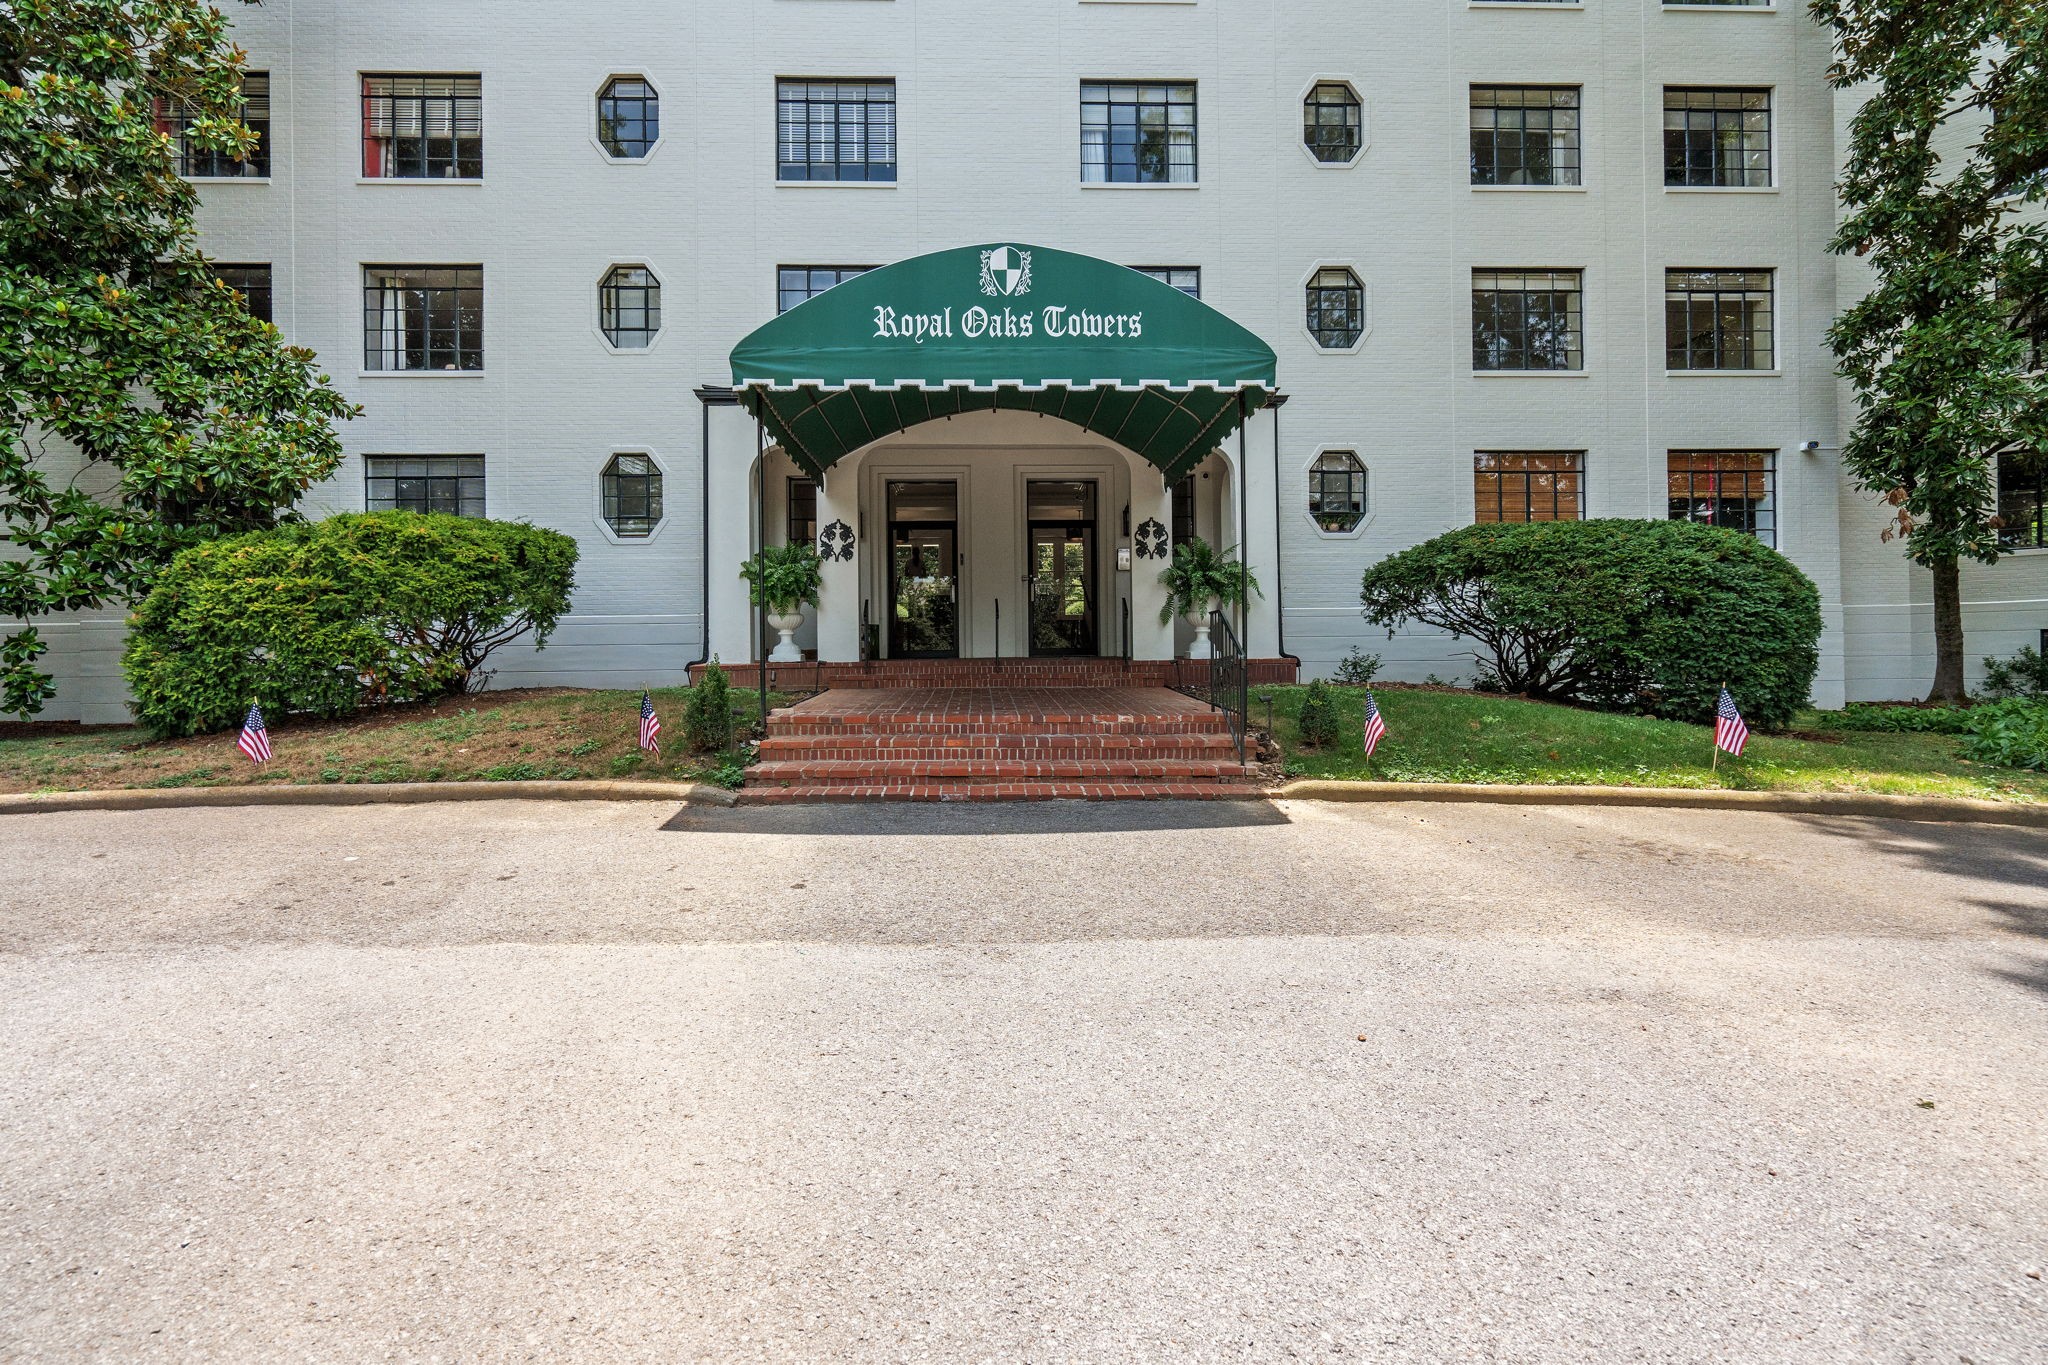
(1386, 1083)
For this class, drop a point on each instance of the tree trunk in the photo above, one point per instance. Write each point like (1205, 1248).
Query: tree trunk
(1948, 631)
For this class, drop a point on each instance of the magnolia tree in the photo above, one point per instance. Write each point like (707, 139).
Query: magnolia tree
(142, 408)
(1941, 194)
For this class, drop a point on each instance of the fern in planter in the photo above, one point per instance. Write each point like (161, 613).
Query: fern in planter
(784, 578)
(1200, 575)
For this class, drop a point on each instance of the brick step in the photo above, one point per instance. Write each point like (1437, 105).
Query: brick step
(985, 757)
(860, 771)
(983, 747)
(1002, 791)
(781, 723)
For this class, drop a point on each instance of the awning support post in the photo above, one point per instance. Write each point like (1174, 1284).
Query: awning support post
(761, 553)
(1244, 533)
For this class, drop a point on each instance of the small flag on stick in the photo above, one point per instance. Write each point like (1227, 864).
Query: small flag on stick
(650, 725)
(1375, 724)
(1730, 734)
(255, 740)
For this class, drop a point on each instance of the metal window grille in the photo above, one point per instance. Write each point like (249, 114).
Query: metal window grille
(629, 306)
(1336, 491)
(1527, 320)
(1717, 319)
(1336, 309)
(795, 284)
(631, 486)
(1333, 122)
(1717, 137)
(1528, 485)
(1183, 511)
(2023, 501)
(835, 130)
(423, 317)
(628, 117)
(1138, 133)
(1186, 278)
(1525, 135)
(802, 523)
(1736, 489)
(423, 127)
(174, 119)
(252, 282)
(453, 484)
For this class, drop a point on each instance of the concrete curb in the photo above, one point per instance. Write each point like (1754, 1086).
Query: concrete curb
(1872, 805)
(367, 794)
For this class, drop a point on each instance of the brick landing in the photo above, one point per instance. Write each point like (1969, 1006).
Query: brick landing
(1013, 673)
(997, 744)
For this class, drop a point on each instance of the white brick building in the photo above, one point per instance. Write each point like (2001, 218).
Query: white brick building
(1512, 352)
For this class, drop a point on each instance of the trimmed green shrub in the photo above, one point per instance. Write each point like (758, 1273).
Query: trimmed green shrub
(1644, 616)
(2011, 734)
(322, 618)
(1318, 723)
(1356, 668)
(2025, 674)
(707, 717)
(1863, 715)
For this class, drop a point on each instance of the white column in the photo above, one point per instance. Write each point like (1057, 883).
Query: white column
(1151, 500)
(839, 598)
(1262, 550)
(730, 527)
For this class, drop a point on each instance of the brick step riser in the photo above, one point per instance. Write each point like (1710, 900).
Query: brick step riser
(967, 727)
(888, 774)
(772, 752)
(1003, 791)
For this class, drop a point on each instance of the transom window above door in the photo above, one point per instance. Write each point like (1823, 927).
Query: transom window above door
(835, 130)
(1138, 133)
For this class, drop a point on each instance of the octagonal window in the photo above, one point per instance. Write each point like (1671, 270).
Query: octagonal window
(1333, 123)
(628, 117)
(1336, 491)
(632, 495)
(630, 303)
(1336, 309)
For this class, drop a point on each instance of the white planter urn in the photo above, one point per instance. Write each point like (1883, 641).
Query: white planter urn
(1199, 647)
(785, 651)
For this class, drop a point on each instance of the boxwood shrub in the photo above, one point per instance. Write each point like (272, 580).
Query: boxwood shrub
(325, 617)
(1645, 616)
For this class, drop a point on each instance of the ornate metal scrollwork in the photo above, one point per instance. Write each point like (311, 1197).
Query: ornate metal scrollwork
(835, 542)
(1151, 539)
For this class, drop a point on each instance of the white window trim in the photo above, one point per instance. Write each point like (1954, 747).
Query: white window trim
(597, 494)
(661, 276)
(1301, 306)
(1308, 468)
(660, 139)
(1357, 90)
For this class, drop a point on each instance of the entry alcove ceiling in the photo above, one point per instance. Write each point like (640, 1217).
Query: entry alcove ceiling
(1004, 326)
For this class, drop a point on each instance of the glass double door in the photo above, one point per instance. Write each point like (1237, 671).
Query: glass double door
(1060, 576)
(924, 570)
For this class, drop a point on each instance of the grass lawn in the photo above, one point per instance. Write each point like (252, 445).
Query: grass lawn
(1451, 736)
(519, 735)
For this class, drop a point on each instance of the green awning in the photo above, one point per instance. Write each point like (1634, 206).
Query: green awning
(1004, 326)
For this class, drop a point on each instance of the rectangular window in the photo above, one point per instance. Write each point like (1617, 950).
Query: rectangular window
(795, 284)
(1717, 320)
(1138, 134)
(835, 130)
(252, 282)
(1528, 485)
(1186, 278)
(803, 512)
(1525, 135)
(1527, 320)
(1717, 137)
(1736, 489)
(1184, 511)
(1731, 4)
(2023, 501)
(423, 317)
(423, 127)
(424, 483)
(174, 120)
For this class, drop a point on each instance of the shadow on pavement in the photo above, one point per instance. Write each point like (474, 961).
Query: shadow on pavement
(929, 818)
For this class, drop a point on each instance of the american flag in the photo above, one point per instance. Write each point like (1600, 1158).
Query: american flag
(1375, 724)
(1730, 734)
(255, 740)
(650, 725)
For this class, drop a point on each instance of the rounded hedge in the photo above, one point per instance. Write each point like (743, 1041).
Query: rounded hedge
(325, 617)
(1646, 616)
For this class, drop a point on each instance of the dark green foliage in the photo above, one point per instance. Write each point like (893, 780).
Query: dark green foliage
(1647, 616)
(707, 718)
(2011, 734)
(1320, 719)
(2025, 674)
(323, 618)
(1867, 716)
(1357, 668)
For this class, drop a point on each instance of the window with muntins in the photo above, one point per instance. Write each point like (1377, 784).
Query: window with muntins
(795, 284)
(1717, 320)
(835, 130)
(174, 120)
(1528, 485)
(423, 317)
(1333, 123)
(631, 486)
(1735, 489)
(1139, 133)
(1186, 278)
(2023, 501)
(252, 282)
(802, 521)
(629, 306)
(1717, 138)
(628, 117)
(1336, 309)
(424, 127)
(1525, 135)
(453, 484)
(1527, 320)
(1183, 511)
(1336, 491)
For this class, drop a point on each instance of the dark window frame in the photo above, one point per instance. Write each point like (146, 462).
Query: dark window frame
(450, 309)
(174, 120)
(800, 511)
(1183, 529)
(628, 124)
(2023, 501)
(257, 290)
(787, 292)
(1516, 316)
(1712, 322)
(451, 484)
(628, 309)
(1336, 309)
(631, 498)
(1186, 278)
(1535, 112)
(1133, 151)
(1332, 141)
(1697, 484)
(1338, 492)
(449, 143)
(1718, 138)
(1522, 482)
(863, 100)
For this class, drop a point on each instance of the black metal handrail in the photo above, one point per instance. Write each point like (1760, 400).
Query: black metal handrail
(999, 627)
(1127, 629)
(1229, 678)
